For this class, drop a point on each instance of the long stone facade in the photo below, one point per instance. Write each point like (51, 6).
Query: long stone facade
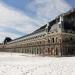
(57, 38)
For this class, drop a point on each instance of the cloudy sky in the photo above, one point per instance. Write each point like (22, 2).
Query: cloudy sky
(20, 17)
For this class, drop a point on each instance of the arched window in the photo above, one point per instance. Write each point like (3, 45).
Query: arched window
(52, 40)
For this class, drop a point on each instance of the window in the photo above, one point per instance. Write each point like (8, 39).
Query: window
(56, 39)
(40, 42)
(56, 51)
(71, 39)
(48, 40)
(52, 40)
(48, 50)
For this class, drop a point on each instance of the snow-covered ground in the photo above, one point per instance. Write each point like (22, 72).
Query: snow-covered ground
(24, 64)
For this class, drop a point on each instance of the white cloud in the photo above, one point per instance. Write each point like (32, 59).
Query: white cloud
(11, 18)
(45, 11)
(48, 9)
(15, 19)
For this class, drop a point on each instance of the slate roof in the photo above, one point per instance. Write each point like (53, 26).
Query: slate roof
(40, 29)
(36, 31)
